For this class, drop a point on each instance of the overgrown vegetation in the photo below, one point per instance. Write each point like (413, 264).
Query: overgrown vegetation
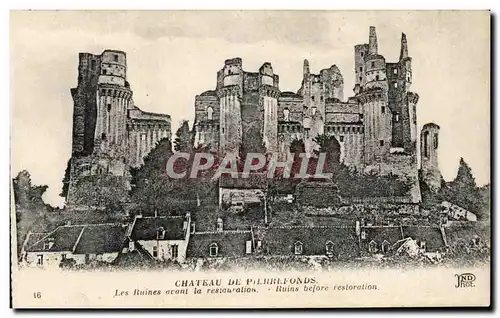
(461, 191)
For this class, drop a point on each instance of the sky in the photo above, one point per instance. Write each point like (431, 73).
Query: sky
(174, 55)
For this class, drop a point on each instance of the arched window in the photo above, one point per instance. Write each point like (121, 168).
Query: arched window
(286, 114)
(210, 112)
(298, 248)
(214, 249)
(329, 248)
(426, 144)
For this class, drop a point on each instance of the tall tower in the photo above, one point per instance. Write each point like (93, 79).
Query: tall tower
(230, 93)
(402, 102)
(269, 94)
(373, 98)
(429, 142)
(102, 100)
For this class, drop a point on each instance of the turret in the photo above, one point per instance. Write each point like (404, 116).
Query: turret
(373, 44)
(306, 70)
(404, 47)
(268, 96)
(230, 106)
(429, 142)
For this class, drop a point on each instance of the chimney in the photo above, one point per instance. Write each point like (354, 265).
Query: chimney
(220, 225)
(372, 44)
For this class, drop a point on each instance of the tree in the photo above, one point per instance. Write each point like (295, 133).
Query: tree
(329, 145)
(154, 190)
(183, 140)
(463, 191)
(464, 175)
(27, 196)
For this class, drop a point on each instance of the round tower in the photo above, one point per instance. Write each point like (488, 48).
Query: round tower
(375, 72)
(230, 107)
(114, 98)
(429, 142)
(269, 94)
(377, 125)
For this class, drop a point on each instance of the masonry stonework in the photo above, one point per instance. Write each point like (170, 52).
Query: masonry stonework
(376, 128)
(110, 133)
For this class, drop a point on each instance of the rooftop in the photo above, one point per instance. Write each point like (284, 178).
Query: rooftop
(145, 228)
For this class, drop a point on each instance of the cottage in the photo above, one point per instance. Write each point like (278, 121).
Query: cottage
(222, 243)
(82, 243)
(339, 242)
(379, 239)
(429, 238)
(161, 237)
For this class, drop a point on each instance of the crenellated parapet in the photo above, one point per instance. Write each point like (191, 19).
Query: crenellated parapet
(344, 129)
(118, 92)
(269, 91)
(232, 90)
(374, 95)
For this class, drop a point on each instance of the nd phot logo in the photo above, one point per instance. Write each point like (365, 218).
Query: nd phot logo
(465, 280)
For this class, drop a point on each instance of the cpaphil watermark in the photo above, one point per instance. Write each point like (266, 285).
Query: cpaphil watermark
(254, 162)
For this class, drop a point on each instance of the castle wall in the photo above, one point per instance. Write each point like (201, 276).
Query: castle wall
(143, 136)
(85, 105)
(206, 124)
(350, 138)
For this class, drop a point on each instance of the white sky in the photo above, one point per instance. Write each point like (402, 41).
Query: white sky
(172, 56)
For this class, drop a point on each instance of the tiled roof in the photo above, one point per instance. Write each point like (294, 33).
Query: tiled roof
(32, 238)
(145, 228)
(229, 243)
(80, 239)
(379, 234)
(430, 234)
(105, 238)
(64, 239)
(281, 240)
(254, 181)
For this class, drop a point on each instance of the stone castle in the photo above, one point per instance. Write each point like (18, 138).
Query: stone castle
(110, 133)
(376, 128)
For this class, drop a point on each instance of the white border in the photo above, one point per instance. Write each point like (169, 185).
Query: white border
(185, 4)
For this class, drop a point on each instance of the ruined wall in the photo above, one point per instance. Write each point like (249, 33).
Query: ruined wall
(85, 104)
(350, 138)
(206, 123)
(429, 144)
(144, 135)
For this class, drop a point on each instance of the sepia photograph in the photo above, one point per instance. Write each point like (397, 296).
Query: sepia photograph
(250, 159)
